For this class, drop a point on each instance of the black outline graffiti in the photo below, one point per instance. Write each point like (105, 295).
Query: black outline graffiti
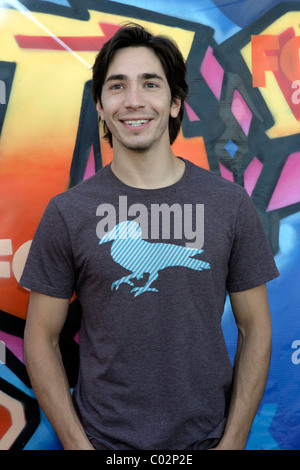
(272, 153)
(31, 413)
(69, 347)
(87, 137)
(7, 72)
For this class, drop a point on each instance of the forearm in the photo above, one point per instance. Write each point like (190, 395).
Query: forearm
(250, 375)
(51, 388)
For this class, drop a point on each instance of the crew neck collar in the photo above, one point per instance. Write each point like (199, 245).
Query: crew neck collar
(165, 189)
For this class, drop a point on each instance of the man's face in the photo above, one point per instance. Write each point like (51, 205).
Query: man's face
(136, 100)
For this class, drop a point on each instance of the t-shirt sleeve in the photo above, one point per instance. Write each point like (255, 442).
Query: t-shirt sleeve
(251, 261)
(49, 268)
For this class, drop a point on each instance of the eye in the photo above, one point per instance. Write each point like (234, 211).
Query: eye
(151, 85)
(116, 86)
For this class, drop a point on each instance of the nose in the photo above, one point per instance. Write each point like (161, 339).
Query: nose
(134, 98)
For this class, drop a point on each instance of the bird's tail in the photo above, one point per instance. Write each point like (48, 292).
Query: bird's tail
(196, 264)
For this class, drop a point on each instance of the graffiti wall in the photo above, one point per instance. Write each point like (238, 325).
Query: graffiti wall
(242, 121)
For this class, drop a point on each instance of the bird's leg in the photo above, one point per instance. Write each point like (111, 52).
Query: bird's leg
(146, 288)
(115, 285)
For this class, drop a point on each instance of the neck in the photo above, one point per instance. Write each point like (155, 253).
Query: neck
(147, 170)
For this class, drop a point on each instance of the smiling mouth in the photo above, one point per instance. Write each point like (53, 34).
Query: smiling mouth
(136, 123)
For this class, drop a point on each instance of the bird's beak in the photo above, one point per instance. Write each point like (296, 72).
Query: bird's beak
(107, 238)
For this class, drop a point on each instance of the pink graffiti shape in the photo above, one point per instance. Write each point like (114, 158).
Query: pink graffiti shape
(251, 175)
(241, 111)
(77, 337)
(191, 113)
(225, 173)
(212, 72)
(287, 190)
(14, 344)
(90, 167)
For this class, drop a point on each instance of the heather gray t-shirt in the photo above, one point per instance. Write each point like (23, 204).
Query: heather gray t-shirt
(154, 368)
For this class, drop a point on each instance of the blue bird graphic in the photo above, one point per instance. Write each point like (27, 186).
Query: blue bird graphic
(140, 257)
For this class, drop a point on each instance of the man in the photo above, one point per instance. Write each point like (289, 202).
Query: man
(149, 244)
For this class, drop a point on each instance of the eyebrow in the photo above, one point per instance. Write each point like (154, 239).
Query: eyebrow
(144, 76)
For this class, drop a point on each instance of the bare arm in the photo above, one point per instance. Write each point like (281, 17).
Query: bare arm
(45, 319)
(251, 366)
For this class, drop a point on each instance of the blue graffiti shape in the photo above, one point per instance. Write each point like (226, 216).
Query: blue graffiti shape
(260, 437)
(140, 257)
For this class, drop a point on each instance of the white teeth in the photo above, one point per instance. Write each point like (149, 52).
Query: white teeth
(136, 123)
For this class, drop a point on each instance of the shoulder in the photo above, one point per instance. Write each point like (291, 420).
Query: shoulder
(82, 191)
(213, 184)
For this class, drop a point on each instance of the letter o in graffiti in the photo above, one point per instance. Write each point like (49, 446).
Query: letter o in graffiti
(19, 259)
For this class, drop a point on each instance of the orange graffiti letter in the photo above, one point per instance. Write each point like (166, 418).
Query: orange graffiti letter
(289, 59)
(260, 62)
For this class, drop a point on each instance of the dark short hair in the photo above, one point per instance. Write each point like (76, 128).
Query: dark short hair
(134, 35)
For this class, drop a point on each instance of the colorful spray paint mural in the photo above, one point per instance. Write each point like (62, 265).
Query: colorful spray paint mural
(242, 121)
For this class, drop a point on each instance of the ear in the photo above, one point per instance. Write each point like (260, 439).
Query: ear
(100, 110)
(175, 107)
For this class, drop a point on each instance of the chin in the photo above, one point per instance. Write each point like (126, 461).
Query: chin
(139, 147)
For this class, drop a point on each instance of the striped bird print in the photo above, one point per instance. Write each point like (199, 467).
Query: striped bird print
(139, 256)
